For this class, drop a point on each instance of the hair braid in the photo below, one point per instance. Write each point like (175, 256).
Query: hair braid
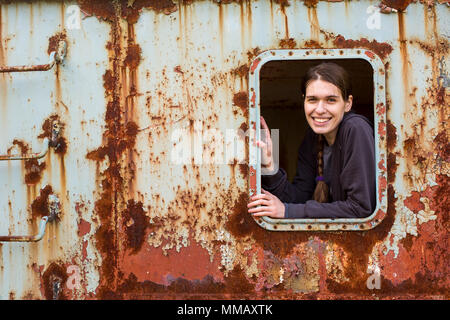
(321, 193)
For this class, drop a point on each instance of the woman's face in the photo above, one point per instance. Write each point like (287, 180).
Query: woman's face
(325, 108)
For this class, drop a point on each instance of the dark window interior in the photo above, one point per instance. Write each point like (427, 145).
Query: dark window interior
(282, 106)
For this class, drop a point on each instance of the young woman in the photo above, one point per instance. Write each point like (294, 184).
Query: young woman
(336, 161)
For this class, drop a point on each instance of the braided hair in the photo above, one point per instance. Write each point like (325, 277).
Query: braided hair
(336, 75)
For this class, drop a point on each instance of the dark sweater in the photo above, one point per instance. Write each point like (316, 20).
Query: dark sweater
(353, 189)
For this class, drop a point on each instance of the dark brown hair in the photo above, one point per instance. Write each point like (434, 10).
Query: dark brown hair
(335, 74)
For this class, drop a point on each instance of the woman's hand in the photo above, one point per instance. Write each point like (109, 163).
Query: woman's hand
(271, 206)
(266, 147)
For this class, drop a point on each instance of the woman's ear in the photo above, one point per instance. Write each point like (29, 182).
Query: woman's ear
(349, 103)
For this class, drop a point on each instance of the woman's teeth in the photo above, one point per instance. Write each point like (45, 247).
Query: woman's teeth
(321, 120)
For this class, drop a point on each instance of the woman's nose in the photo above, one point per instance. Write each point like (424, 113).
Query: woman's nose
(321, 107)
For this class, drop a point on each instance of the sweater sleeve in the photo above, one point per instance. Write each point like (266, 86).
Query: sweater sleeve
(302, 187)
(357, 178)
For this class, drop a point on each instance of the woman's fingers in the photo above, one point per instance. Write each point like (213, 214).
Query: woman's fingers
(263, 123)
(262, 214)
(260, 209)
(259, 196)
(262, 202)
(265, 127)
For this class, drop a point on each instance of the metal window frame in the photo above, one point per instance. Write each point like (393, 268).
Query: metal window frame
(356, 224)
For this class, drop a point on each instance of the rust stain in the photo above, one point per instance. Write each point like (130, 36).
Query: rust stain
(311, 3)
(54, 282)
(84, 228)
(423, 270)
(243, 127)
(404, 52)
(33, 171)
(311, 44)
(382, 183)
(151, 264)
(442, 145)
(391, 135)
(61, 143)
(240, 100)
(254, 65)
(23, 146)
(381, 128)
(119, 138)
(130, 11)
(380, 48)
(369, 54)
(288, 43)
(54, 40)
(39, 207)
(205, 288)
(253, 99)
(400, 5)
(136, 224)
(313, 19)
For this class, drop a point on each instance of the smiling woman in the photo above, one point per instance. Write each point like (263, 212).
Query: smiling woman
(335, 169)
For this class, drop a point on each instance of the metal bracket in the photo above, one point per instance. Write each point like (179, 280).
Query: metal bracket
(54, 209)
(55, 57)
(53, 142)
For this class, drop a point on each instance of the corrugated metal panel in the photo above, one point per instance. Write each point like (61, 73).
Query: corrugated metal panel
(133, 223)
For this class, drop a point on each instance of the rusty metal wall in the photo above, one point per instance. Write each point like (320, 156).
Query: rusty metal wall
(134, 224)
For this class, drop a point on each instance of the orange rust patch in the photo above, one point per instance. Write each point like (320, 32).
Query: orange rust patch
(54, 281)
(129, 10)
(133, 57)
(241, 71)
(391, 135)
(288, 43)
(234, 283)
(135, 223)
(22, 146)
(381, 128)
(108, 81)
(61, 144)
(413, 202)
(311, 3)
(369, 54)
(243, 127)
(254, 65)
(391, 167)
(382, 49)
(33, 171)
(240, 100)
(54, 41)
(311, 44)
(397, 4)
(442, 145)
(243, 169)
(419, 268)
(39, 207)
(84, 228)
(190, 263)
(118, 139)
(382, 183)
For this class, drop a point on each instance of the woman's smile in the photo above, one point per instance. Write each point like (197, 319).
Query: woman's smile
(321, 121)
